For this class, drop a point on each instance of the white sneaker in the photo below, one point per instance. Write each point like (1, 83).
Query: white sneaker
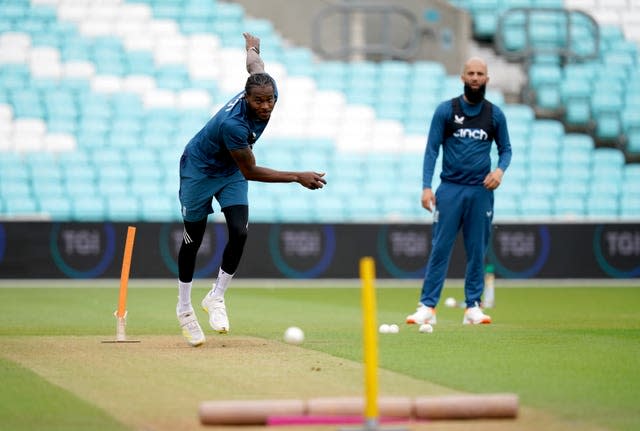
(217, 313)
(422, 315)
(191, 328)
(475, 316)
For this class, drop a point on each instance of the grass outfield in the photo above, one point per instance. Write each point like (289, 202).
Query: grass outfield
(570, 353)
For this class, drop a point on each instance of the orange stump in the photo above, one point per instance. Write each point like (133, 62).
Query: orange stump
(121, 312)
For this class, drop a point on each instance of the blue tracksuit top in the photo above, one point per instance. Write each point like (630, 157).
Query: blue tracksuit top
(230, 129)
(466, 159)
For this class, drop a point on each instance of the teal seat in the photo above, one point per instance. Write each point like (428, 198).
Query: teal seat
(48, 188)
(113, 187)
(138, 187)
(88, 208)
(602, 185)
(262, 207)
(46, 173)
(506, 207)
(569, 206)
(517, 113)
(295, 209)
(22, 205)
(425, 70)
(363, 208)
(121, 140)
(15, 188)
(631, 174)
(56, 207)
(630, 206)
(107, 156)
(574, 185)
(122, 208)
(608, 162)
(79, 173)
(536, 206)
(156, 208)
(329, 208)
(602, 206)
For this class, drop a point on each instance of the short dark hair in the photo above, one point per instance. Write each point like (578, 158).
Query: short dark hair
(259, 80)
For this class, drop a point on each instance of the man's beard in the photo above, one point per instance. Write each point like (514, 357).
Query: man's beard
(474, 96)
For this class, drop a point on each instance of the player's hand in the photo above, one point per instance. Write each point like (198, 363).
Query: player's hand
(312, 180)
(493, 179)
(251, 41)
(428, 200)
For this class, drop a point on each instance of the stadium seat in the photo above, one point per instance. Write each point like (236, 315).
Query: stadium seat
(569, 206)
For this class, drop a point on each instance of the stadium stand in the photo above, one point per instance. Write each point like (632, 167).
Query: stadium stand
(97, 100)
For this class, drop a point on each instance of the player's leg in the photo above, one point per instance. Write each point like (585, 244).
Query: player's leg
(446, 223)
(195, 199)
(476, 233)
(192, 236)
(234, 203)
(191, 240)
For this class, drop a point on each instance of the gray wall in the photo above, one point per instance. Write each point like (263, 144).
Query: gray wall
(444, 31)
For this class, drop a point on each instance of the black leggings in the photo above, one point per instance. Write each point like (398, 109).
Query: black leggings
(237, 218)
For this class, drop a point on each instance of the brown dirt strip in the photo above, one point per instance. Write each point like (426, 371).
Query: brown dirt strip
(158, 384)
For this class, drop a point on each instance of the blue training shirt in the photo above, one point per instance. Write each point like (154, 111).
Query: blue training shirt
(229, 129)
(466, 159)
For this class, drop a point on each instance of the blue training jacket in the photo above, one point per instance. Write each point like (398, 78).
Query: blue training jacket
(466, 157)
(229, 129)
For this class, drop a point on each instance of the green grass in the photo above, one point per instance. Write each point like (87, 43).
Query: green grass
(573, 351)
(30, 402)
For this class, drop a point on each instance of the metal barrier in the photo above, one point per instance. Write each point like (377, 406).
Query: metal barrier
(523, 33)
(353, 41)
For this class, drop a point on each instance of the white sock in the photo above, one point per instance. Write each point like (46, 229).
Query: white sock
(184, 296)
(221, 284)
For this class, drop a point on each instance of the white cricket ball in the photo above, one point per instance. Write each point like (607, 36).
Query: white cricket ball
(450, 302)
(294, 335)
(394, 329)
(426, 327)
(384, 329)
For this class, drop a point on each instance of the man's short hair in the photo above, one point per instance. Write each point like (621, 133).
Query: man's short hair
(259, 80)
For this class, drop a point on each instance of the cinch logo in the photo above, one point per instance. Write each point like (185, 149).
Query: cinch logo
(471, 133)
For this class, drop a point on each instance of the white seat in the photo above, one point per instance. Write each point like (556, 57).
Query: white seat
(106, 84)
(606, 16)
(29, 125)
(134, 12)
(102, 11)
(193, 98)
(159, 99)
(199, 43)
(28, 142)
(16, 40)
(139, 84)
(6, 143)
(6, 113)
(73, 11)
(44, 62)
(96, 27)
(163, 28)
(138, 41)
(170, 50)
(59, 142)
(78, 69)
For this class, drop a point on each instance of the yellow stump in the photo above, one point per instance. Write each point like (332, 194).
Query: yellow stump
(370, 337)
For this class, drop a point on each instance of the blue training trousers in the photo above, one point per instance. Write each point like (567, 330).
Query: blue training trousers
(469, 208)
